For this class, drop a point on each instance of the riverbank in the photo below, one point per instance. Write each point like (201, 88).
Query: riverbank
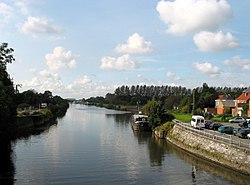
(227, 155)
(26, 125)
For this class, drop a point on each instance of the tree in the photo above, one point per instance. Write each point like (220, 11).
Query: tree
(7, 91)
(5, 55)
(156, 113)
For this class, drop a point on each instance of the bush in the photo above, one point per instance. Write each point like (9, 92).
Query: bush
(166, 127)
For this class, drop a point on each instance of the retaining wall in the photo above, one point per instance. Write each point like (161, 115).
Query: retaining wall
(216, 151)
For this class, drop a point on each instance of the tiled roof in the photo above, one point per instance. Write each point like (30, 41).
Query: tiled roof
(244, 96)
(224, 97)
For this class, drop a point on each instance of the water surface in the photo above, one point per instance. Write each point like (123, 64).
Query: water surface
(93, 145)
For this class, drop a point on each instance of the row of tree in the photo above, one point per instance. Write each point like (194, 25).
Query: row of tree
(181, 98)
(32, 99)
(157, 101)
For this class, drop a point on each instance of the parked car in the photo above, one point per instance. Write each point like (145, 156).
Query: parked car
(237, 120)
(236, 130)
(226, 129)
(245, 124)
(215, 126)
(207, 123)
(243, 133)
(248, 136)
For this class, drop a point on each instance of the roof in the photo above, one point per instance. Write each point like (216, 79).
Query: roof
(224, 97)
(244, 96)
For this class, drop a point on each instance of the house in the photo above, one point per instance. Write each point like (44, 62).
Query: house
(224, 104)
(43, 105)
(243, 99)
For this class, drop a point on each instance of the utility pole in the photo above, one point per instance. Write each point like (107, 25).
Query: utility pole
(194, 102)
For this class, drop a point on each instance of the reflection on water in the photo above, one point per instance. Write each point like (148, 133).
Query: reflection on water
(7, 169)
(200, 166)
(121, 119)
(98, 146)
(201, 170)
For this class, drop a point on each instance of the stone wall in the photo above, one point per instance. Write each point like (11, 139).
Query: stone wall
(224, 154)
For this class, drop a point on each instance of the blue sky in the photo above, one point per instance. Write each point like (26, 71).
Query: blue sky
(83, 48)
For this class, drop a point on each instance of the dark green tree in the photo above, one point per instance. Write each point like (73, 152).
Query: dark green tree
(156, 113)
(7, 91)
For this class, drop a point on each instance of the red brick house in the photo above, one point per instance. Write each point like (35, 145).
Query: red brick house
(244, 98)
(224, 104)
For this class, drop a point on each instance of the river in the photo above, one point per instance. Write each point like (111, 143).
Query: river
(91, 145)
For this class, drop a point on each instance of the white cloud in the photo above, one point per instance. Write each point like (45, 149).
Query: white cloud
(35, 26)
(22, 6)
(48, 74)
(172, 76)
(6, 12)
(189, 16)
(34, 83)
(135, 44)
(89, 89)
(72, 64)
(207, 68)
(237, 62)
(32, 70)
(79, 83)
(215, 42)
(60, 59)
(121, 63)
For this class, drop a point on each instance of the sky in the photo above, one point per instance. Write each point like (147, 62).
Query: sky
(81, 48)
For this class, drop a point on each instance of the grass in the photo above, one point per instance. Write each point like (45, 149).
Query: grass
(187, 117)
(45, 112)
(182, 117)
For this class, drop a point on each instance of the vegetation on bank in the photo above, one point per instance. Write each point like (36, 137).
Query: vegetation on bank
(178, 102)
(160, 103)
(166, 127)
(13, 103)
(7, 92)
(32, 102)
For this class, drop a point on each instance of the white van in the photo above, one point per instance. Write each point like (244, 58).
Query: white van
(198, 121)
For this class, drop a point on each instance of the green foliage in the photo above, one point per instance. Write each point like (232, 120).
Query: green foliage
(245, 109)
(156, 113)
(165, 127)
(45, 112)
(56, 105)
(184, 99)
(182, 117)
(7, 102)
(5, 55)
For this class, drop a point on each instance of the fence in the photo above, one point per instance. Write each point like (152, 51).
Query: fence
(225, 138)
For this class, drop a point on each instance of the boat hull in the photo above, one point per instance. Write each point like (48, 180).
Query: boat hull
(141, 126)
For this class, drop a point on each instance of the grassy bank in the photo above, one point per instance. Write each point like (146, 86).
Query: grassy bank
(182, 117)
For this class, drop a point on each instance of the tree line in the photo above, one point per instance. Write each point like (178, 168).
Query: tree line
(173, 97)
(32, 99)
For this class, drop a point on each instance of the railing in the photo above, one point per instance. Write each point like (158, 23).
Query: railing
(225, 138)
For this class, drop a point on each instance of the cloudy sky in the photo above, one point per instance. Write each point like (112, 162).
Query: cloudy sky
(83, 48)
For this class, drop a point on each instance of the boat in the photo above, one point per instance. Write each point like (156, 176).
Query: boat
(140, 122)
